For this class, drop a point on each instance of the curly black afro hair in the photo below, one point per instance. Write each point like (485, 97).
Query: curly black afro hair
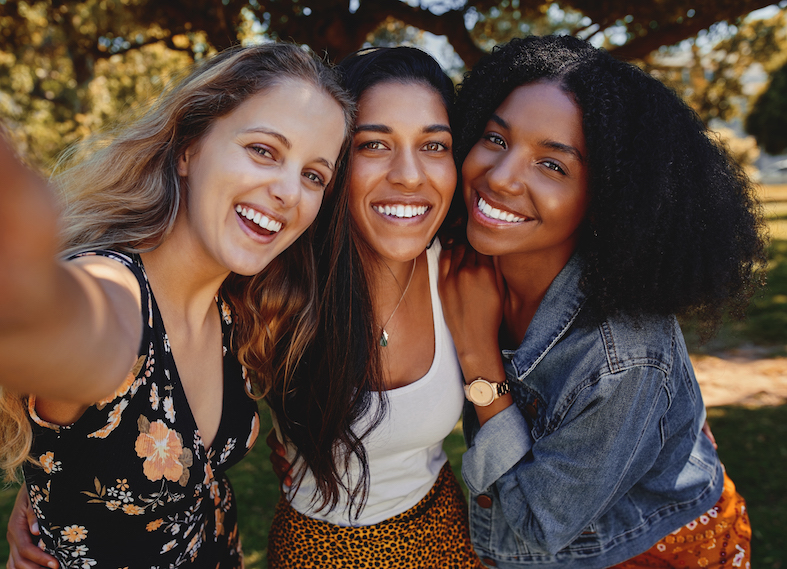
(672, 226)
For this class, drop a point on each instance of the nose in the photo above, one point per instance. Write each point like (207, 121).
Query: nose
(508, 174)
(286, 188)
(406, 169)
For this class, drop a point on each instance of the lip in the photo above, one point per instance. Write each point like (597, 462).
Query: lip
(267, 226)
(518, 217)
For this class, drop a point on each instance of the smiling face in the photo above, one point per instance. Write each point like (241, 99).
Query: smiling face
(403, 174)
(256, 179)
(526, 179)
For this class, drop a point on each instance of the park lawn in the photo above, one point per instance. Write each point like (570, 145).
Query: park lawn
(752, 441)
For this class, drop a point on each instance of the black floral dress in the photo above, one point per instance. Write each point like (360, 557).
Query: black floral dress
(130, 483)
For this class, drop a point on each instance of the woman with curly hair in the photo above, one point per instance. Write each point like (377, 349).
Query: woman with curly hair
(598, 208)
(190, 217)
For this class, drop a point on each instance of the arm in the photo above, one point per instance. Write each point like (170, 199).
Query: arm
(471, 294)
(22, 527)
(68, 331)
(581, 466)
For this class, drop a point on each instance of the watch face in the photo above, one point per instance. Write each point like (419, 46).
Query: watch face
(481, 393)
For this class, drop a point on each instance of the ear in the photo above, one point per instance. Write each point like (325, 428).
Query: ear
(183, 163)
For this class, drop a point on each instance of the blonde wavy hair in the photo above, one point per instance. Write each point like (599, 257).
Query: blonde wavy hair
(121, 190)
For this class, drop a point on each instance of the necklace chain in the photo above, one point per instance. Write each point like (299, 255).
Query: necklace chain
(384, 334)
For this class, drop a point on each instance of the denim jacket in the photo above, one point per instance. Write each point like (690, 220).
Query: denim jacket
(603, 454)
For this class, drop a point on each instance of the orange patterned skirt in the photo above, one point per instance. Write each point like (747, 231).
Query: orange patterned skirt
(719, 538)
(433, 534)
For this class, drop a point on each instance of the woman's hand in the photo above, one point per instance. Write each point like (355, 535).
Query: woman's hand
(471, 291)
(709, 434)
(22, 527)
(281, 468)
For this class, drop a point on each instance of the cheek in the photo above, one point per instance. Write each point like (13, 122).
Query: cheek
(467, 192)
(471, 165)
(356, 196)
(313, 205)
(446, 182)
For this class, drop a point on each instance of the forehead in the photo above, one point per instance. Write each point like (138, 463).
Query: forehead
(544, 107)
(290, 104)
(414, 101)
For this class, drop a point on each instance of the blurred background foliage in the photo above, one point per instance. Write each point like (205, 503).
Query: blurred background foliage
(70, 67)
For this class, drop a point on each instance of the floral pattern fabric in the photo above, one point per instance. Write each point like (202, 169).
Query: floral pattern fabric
(130, 483)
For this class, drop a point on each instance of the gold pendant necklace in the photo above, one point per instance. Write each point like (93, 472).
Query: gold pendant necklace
(384, 335)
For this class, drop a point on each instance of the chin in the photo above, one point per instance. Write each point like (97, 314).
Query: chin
(481, 243)
(249, 267)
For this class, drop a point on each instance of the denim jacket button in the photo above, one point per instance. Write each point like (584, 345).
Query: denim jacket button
(531, 411)
(484, 501)
(489, 561)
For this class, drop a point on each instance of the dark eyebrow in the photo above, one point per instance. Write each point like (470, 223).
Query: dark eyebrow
(388, 130)
(560, 147)
(499, 120)
(373, 128)
(286, 142)
(438, 128)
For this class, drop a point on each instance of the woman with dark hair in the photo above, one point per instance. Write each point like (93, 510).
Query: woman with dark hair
(606, 209)
(181, 218)
(385, 496)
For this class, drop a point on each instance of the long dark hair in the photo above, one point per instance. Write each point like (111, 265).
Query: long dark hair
(672, 225)
(341, 375)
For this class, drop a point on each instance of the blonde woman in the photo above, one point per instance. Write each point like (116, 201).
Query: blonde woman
(125, 395)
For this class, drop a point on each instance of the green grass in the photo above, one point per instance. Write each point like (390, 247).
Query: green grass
(753, 447)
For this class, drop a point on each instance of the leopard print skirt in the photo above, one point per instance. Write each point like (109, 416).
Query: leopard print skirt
(432, 534)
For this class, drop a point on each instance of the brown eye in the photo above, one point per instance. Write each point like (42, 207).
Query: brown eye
(261, 150)
(554, 166)
(372, 145)
(495, 139)
(435, 147)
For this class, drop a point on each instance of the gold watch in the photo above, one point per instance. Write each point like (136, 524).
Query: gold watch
(482, 392)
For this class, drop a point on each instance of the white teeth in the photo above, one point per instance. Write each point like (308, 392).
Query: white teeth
(401, 211)
(259, 218)
(494, 213)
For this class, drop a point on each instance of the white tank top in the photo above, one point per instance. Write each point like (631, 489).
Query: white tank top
(405, 451)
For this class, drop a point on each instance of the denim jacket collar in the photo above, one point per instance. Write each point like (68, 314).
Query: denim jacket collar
(558, 310)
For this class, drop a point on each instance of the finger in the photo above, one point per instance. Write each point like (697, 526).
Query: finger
(709, 434)
(282, 470)
(275, 444)
(28, 555)
(25, 554)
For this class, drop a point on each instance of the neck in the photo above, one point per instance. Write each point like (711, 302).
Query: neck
(389, 286)
(183, 287)
(388, 279)
(527, 279)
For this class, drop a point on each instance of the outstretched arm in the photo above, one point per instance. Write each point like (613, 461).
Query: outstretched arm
(68, 331)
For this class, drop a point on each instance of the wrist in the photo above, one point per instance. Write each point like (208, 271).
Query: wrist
(483, 392)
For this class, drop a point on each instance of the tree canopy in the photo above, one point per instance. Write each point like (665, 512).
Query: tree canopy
(68, 66)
